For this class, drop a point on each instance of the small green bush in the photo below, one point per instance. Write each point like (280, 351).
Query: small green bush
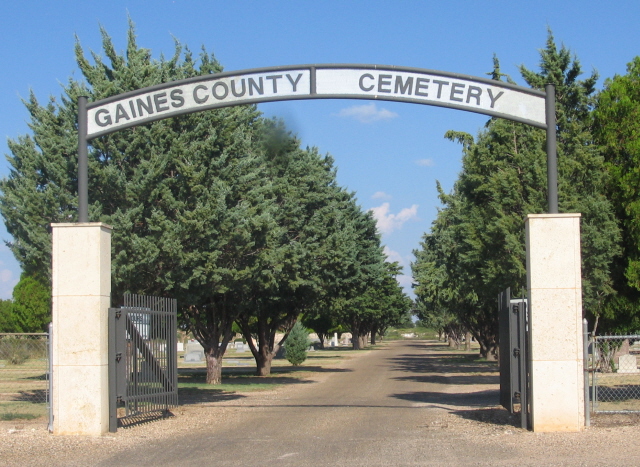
(297, 344)
(16, 351)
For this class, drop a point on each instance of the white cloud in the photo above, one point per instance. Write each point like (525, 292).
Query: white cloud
(388, 222)
(380, 195)
(405, 282)
(367, 113)
(426, 162)
(393, 256)
(6, 275)
(404, 279)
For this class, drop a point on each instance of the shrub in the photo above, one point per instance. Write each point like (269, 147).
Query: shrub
(14, 350)
(297, 344)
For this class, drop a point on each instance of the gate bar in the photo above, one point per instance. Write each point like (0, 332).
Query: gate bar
(113, 400)
(552, 159)
(83, 172)
(585, 355)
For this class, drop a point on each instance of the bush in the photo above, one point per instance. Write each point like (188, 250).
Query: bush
(17, 349)
(296, 345)
(14, 350)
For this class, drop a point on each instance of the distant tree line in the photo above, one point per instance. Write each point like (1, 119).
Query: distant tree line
(476, 246)
(222, 210)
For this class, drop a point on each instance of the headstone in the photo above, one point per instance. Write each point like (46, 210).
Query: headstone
(194, 357)
(180, 347)
(628, 364)
(194, 346)
(194, 352)
(334, 342)
(240, 347)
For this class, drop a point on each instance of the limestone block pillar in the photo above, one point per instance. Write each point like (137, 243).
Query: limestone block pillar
(81, 291)
(554, 285)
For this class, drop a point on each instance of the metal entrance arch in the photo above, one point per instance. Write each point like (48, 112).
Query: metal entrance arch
(296, 82)
(552, 240)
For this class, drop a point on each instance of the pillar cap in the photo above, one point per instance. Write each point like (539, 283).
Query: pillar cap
(82, 224)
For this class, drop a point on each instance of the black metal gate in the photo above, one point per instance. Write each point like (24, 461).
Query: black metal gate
(143, 364)
(514, 352)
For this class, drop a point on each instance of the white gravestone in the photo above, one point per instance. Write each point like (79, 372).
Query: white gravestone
(628, 364)
(194, 352)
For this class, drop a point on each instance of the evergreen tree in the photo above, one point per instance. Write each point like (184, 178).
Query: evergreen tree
(186, 195)
(582, 177)
(319, 319)
(297, 343)
(31, 305)
(301, 264)
(476, 247)
(7, 317)
(617, 127)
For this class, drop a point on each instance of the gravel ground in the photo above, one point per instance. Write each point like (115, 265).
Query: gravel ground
(456, 425)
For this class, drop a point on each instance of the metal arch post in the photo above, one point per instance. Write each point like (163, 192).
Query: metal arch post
(83, 172)
(552, 159)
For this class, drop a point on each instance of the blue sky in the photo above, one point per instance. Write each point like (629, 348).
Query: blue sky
(390, 154)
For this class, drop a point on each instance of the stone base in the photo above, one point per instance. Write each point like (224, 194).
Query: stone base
(555, 301)
(81, 291)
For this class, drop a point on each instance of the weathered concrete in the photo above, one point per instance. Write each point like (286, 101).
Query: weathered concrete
(555, 298)
(81, 291)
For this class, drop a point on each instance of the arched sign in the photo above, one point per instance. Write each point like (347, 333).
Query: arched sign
(372, 82)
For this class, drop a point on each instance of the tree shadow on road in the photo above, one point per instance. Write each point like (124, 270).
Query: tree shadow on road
(441, 366)
(452, 379)
(193, 388)
(189, 396)
(472, 399)
(466, 368)
(481, 406)
(490, 416)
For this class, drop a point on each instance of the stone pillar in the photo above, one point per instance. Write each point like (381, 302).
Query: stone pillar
(81, 294)
(554, 283)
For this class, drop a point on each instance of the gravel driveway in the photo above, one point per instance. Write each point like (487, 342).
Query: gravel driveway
(405, 403)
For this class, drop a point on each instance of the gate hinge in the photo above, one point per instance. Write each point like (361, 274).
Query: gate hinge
(516, 352)
(118, 356)
(516, 395)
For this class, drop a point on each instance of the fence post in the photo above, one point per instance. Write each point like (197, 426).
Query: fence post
(585, 346)
(50, 394)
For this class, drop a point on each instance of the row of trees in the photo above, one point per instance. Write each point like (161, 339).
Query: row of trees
(222, 210)
(476, 245)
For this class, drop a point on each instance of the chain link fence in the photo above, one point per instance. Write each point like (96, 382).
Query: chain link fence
(615, 376)
(24, 376)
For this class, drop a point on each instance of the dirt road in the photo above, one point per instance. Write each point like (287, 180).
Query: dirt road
(409, 403)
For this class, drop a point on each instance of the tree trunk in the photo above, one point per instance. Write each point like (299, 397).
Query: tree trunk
(363, 341)
(374, 331)
(214, 367)
(355, 339)
(263, 363)
(467, 341)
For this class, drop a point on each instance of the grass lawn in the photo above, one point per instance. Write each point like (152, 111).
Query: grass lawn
(23, 390)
